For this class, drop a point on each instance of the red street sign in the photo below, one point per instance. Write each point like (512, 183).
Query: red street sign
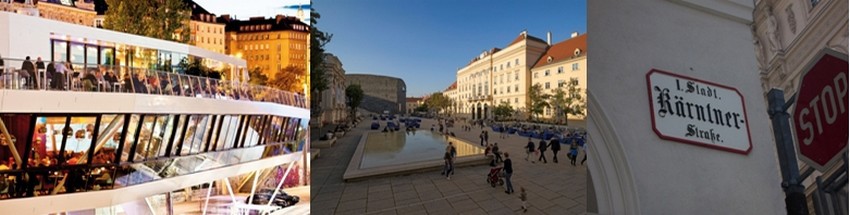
(820, 112)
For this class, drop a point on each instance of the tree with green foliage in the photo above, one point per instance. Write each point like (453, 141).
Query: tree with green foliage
(558, 101)
(354, 94)
(421, 108)
(569, 102)
(575, 103)
(537, 101)
(318, 81)
(161, 19)
(195, 68)
(288, 79)
(503, 111)
(257, 77)
(438, 102)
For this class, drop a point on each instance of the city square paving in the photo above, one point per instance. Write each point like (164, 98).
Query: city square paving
(553, 188)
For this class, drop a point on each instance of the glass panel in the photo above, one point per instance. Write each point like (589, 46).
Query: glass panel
(179, 135)
(189, 138)
(101, 178)
(226, 131)
(106, 153)
(91, 56)
(211, 134)
(290, 129)
(106, 56)
(186, 86)
(166, 87)
(166, 134)
(129, 138)
(121, 55)
(60, 51)
(175, 84)
(18, 126)
(76, 148)
(47, 143)
(200, 136)
(175, 63)
(155, 145)
(243, 131)
(281, 129)
(77, 56)
(253, 132)
(145, 137)
(200, 89)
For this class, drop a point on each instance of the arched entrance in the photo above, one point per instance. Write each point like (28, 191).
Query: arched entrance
(473, 107)
(486, 108)
(612, 181)
(478, 110)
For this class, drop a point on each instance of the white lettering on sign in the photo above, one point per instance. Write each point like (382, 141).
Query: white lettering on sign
(698, 112)
(825, 107)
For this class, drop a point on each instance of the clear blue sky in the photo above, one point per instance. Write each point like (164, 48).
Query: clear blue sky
(425, 42)
(246, 9)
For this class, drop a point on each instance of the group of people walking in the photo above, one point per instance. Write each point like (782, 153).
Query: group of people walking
(449, 159)
(555, 146)
(502, 160)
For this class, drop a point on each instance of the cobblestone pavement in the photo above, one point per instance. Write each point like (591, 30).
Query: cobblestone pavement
(553, 188)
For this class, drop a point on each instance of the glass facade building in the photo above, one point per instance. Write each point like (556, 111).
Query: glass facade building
(67, 153)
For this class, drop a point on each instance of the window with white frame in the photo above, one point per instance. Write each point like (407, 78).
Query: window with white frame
(560, 69)
(575, 66)
(562, 83)
(546, 73)
(546, 85)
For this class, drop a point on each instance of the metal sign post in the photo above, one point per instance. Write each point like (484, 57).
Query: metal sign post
(795, 196)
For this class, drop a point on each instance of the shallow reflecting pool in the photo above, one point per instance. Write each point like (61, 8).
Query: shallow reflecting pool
(387, 149)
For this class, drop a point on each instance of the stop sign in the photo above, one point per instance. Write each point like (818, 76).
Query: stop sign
(820, 112)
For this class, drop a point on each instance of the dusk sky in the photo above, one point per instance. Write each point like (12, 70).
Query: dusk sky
(425, 42)
(246, 9)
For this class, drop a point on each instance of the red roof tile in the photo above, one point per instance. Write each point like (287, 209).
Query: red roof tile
(451, 87)
(520, 38)
(564, 50)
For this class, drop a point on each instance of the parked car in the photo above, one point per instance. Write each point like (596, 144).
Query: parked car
(261, 197)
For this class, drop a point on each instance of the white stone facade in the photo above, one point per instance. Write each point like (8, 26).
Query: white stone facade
(333, 102)
(787, 35)
(498, 75)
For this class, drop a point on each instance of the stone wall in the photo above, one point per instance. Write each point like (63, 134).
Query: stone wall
(380, 92)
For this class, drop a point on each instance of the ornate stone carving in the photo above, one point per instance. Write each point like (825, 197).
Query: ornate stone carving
(792, 21)
(772, 31)
(789, 88)
(839, 43)
(758, 49)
